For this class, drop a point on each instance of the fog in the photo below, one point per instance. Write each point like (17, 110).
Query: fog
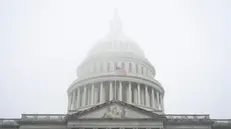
(43, 42)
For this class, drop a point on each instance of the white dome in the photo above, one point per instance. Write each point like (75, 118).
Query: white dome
(116, 43)
(116, 69)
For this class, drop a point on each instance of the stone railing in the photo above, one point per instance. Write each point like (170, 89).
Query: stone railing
(8, 122)
(43, 116)
(187, 117)
(222, 121)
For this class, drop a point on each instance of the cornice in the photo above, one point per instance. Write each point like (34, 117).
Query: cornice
(116, 77)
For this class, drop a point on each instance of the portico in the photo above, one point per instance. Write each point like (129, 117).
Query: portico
(115, 114)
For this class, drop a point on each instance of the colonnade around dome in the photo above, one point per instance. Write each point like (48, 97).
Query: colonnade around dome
(130, 92)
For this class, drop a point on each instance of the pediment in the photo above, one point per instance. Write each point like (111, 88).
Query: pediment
(114, 110)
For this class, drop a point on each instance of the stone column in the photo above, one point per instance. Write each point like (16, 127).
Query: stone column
(135, 95)
(120, 91)
(147, 101)
(110, 91)
(142, 96)
(88, 96)
(84, 96)
(92, 93)
(129, 92)
(73, 100)
(158, 100)
(138, 93)
(78, 98)
(96, 93)
(69, 101)
(101, 93)
(161, 102)
(153, 98)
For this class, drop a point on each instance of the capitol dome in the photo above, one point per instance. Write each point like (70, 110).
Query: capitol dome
(116, 42)
(116, 69)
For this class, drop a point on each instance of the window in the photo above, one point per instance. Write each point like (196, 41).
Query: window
(130, 67)
(147, 71)
(94, 68)
(101, 66)
(142, 70)
(122, 65)
(108, 66)
(116, 65)
(136, 68)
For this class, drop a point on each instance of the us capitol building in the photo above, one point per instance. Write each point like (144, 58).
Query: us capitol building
(116, 89)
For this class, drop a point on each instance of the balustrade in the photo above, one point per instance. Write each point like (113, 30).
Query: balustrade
(43, 116)
(182, 116)
(8, 121)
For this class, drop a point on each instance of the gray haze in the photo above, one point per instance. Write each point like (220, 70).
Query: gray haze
(43, 42)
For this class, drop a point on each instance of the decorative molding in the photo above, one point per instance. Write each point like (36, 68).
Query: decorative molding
(115, 112)
(151, 82)
(76, 115)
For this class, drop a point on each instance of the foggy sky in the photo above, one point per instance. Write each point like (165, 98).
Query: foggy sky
(44, 41)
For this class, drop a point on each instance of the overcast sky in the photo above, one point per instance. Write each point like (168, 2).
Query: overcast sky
(43, 42)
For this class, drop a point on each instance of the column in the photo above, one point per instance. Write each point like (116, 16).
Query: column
(110, 92)
(78, 98)
(96, 93)
(153, 98)
(129, 92)
(158, 100)
(120, 91)
(88, 96)
(144, 70)
(92, 93)
(101, 93)
(135, 95)
(147, 101)
(73, 100)
(69, 101)
(138, 93)
(142, 96)
(161, 102)
(84, 96)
